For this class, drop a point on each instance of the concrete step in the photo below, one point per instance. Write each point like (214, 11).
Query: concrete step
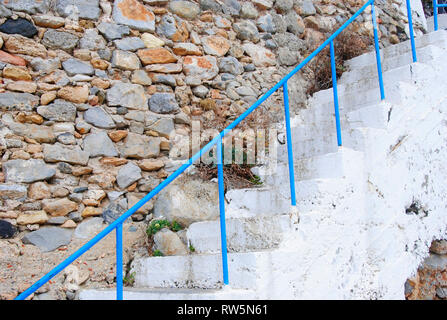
(243, 234)
(438, 38)
(199, 271)
(340, 164)
(425, 55)
(411, 73)
(167, 294)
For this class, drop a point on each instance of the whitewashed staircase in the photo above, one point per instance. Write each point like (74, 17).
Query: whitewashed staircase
(352, 238)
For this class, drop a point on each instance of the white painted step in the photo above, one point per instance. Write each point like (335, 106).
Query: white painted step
(412, 73)
(442, 22)
(243, 234)
(438, 38)
(167, 294)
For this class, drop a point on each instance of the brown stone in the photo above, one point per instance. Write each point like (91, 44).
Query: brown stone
(47, 97)
(103, 84)
(186, 49)
(216, 45)
(159, 55)
(21, 45)
(32, 217)
(39, 191)
(91, 212)
(22, 86)
(113, 161)
(133, 10)
(11, 59)
(117, 135)
(99, 64)
(59, 207)
(69, 224)
(74, 94)
(182, 33)
(151, 165)
(132, 187)
(80, 171)
(16, 73)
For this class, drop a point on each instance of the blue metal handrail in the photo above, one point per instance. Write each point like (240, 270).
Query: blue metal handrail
(436, 6)
(117, 225)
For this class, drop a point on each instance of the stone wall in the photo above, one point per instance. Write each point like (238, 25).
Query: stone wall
(430, 281)
(95, 94)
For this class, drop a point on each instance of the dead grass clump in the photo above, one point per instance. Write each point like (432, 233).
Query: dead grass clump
(348, 44)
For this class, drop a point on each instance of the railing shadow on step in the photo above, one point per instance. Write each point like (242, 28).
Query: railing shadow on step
(117, 225)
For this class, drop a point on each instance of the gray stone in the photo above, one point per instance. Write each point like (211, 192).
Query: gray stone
(271, 44)
(164, 127)
(59, 40)
(284, 5)
(441, 292)
(141, 77)
(99, 144)
(249, 11)
(231, 65)
(45, 66)
(167, 79)
(287, 57)
(72, 155)
(140, 147)
(134, 15)
(113, 31)
(89, 228)
(187, 201)
(84, 9)
(306, 8)
(169, 243)
(245, 91)
(131, 96)
(14, 101)
(130, 44)
(28, 6)
(27, 171)
(60, 110)
(292, 25)
(167, 26)
(64, 167)
(125, 60)
(5, 12)
(114, 195)
(200, 91)
(212, 5)
(113, 211)
(66, 138)
(148, 184)
(7, 230)
(57, 220)
(185, 9)
(266, 24)
(246, 30)
(99, 118)
(436, 262)
(163, 103)
(231, 7)
(48, 238)
(12, 191)
(19, 26)
(92, 40)
(127, 175)
(74, 66)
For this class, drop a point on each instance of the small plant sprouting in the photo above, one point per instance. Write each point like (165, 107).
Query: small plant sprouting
(175, 226)
(191, 248)
(256, 180)
(157, 253)
(129, 279)
(157, 225)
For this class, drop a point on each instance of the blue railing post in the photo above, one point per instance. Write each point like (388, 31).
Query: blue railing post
(223, 231)
(335, 90)
(435, 14)
(119, 261)
(289, 144)
(410, 25)
(377, 46)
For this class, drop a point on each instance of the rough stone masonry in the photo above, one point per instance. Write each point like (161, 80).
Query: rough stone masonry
(94, 95)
